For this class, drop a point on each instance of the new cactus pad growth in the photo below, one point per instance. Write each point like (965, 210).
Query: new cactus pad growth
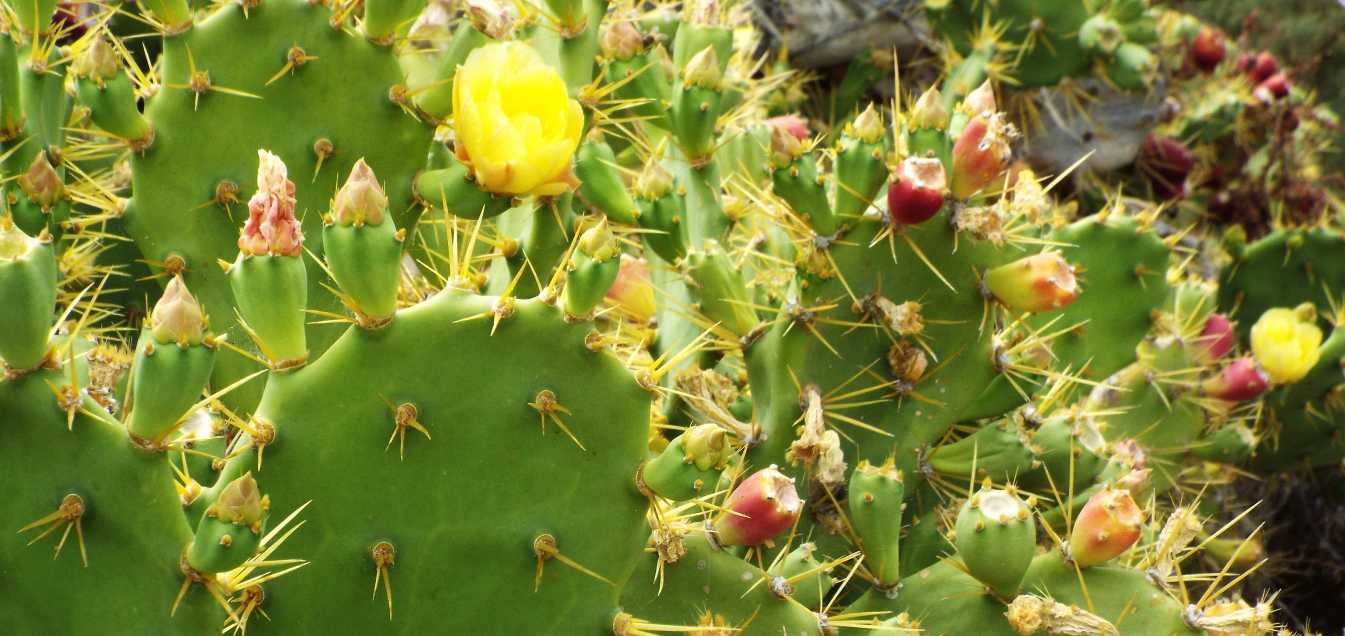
(581, 316)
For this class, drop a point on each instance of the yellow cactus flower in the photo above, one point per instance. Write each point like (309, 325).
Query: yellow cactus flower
(1285, 344)
(515, 122)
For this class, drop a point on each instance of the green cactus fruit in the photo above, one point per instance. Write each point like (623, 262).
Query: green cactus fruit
(860, 167)
(596, 263)
(600, 183)
(800, 575)
(996, 538)
(875, 504)
(268, 278)
(796, 179)
(721, 290)
(637, 71)
(28, 278)
(662, 210)
(173, 361)
(364, 246)
(109, 93)
(1000, 450)
(1069, 448)
(696, 105)
(690, 465)
(230, 529)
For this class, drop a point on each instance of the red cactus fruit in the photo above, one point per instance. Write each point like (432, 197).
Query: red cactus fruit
(1208, 49)
(1238, 382)
(1217, 336)
(1262, 67)
(917, 191)
(1168, 162)
(1274, 87)
(761, 507)
(1107, 526)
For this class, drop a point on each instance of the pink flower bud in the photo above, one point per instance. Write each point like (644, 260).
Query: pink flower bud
(764, 505)
(980, 155)
(1107, 526)
(271, 227)
(632, 291)
(1208, 49)
(1238, 382)
(1262, 67)
(792, 123)
(981, 101)
(1036, 283)
(1217, 336)
(917, 191)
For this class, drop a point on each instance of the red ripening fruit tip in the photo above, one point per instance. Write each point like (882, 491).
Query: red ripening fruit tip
(1240, 381)
(761, 507)
(1217, 336)
(917, 192)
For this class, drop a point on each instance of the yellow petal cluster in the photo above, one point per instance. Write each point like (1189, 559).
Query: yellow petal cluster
(1285, 344)
(515, 122)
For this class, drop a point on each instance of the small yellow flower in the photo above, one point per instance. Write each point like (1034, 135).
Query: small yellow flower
(515, 122)
(1285, 344)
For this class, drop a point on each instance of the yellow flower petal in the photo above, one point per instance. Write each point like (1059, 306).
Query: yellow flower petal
(1284, 345)
(514, 121)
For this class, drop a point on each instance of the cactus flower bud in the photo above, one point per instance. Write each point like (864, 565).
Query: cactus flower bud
(515, 122)
(632, 290)
(1208, 49)
(761, 507)
(706, 446)
(1102, 33)
(868, 126)
(928, 111)
(177, 317)
(1036, 283)
(917, 191)
(1285, 342)
(792, 123)
(41, 182)
(1107, 526)
(598, 242)
(786, 142)
(361, 200)
(240, 501)
(491, 18)
(702, 70)
(620, 39)
(981, 101)
(271, 227)
(980, 155)
(97, 61)
(1262, 67)
(1217, 336)
(1238, 382)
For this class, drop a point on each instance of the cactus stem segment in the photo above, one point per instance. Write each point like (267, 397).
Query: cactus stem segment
(547, 406)
(384, 555)
(68, 515)
(405, 416)
(545, 548)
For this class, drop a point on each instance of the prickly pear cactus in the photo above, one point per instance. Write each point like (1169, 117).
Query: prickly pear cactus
(556, 318)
